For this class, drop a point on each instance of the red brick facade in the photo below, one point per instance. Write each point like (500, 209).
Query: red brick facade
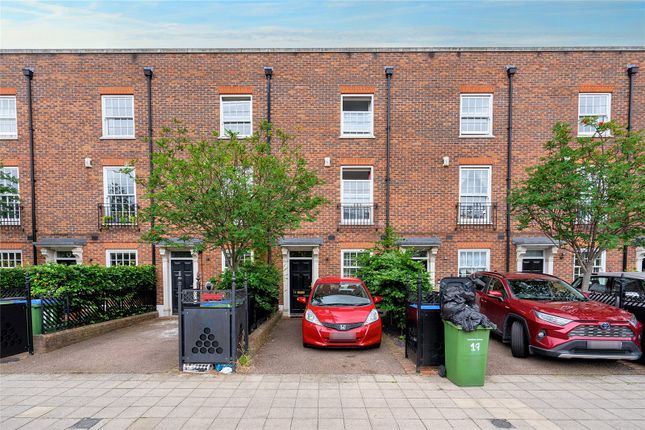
(306, 102)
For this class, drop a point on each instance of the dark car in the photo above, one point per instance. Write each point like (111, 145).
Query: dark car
(623, 289)
(542, 314)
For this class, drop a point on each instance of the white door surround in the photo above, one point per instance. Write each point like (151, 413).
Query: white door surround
(286, 257)
(549, 255)
(165, 309)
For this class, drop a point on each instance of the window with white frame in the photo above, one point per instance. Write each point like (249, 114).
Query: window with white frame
(476, 115)
(356, 189)
(236, 115)
(8, 121)
(597, 105)
(349, 263)
(67, 258)
(118, 116)
(124, 257)
(10, 198)
(9, 259)
(120, 196)
(247, 257)
(357, 116)
(473, 260)
(421, 256)
(598, 265)
(475, 195)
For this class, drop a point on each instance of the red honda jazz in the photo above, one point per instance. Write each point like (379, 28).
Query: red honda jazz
(340, 312)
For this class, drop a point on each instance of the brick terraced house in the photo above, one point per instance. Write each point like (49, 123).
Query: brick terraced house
(448, 148)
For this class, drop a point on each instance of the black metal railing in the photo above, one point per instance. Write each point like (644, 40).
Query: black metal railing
(10, 215)
(357, 214)
(257, 314)
(117, 215)
(65, 312)
(477, 215)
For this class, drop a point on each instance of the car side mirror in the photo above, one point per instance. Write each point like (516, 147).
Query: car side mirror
(377, 299)
(496, 295)
(302, 299)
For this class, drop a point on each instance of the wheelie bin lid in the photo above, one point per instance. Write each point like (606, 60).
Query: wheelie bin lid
(426, 306)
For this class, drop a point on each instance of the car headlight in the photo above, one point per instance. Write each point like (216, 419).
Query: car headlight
(372, 317)
(552, 318)
(633, 321)
(311, 317)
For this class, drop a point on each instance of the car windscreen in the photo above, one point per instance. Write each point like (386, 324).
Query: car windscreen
(544, 289)
(340, 294)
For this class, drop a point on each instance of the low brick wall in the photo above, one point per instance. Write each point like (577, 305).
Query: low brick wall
(60, 339)
(261, 334)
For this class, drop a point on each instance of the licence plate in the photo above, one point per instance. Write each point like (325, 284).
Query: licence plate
(342, 336)
(604, 344)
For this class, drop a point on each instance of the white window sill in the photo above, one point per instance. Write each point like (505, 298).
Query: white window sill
(239, 136)
(593, 135)
(117, 138)
(477, 136)
(9, 137)
(351, 136)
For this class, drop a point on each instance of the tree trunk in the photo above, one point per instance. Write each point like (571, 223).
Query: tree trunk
(587, 267)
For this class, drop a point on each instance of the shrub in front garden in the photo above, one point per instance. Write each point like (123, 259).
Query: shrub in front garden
(263, 280)
(387, 270)
(60, 280)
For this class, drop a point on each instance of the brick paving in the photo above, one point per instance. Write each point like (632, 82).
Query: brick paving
(174, 401)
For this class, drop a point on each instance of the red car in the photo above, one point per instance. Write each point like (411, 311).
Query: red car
(542, 314)
(340, 312)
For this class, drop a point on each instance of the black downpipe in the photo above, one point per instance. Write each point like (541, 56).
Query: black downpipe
(632, 69)
(29, 74)
(510, 71)
(389, 71)
(268, 73)
(148, 72)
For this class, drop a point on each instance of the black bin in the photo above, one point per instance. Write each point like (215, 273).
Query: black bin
(430, 341)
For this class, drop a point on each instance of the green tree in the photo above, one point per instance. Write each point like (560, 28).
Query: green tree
(235, 194)
(586, 193)
(388, 271)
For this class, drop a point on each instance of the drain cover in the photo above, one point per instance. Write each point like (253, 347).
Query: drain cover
(86, 423)
(502, 424)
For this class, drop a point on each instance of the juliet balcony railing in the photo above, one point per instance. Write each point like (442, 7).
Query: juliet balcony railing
(117, 215)
(477, 215)
(357, 214)
(10, 213)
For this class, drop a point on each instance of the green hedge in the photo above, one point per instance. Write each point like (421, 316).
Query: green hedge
(62, 280)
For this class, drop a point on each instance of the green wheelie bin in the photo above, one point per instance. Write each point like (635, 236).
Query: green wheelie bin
(466, 355)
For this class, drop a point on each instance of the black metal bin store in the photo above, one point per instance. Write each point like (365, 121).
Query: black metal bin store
(213, 326)
(424, 330)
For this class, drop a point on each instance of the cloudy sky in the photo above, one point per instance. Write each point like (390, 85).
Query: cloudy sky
(301, 23)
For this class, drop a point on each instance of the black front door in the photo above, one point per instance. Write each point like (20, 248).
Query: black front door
(533, 265)
(299, 283)
(180, 269)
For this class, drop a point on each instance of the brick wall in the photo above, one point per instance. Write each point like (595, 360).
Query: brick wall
(306, 94)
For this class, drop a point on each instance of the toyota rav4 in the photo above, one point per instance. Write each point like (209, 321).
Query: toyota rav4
(542, 314)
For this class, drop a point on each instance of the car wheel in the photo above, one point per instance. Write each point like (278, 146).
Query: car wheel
(518, 340)
(305, 345)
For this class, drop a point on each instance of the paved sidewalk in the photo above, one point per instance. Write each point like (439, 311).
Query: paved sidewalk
(173, 401)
